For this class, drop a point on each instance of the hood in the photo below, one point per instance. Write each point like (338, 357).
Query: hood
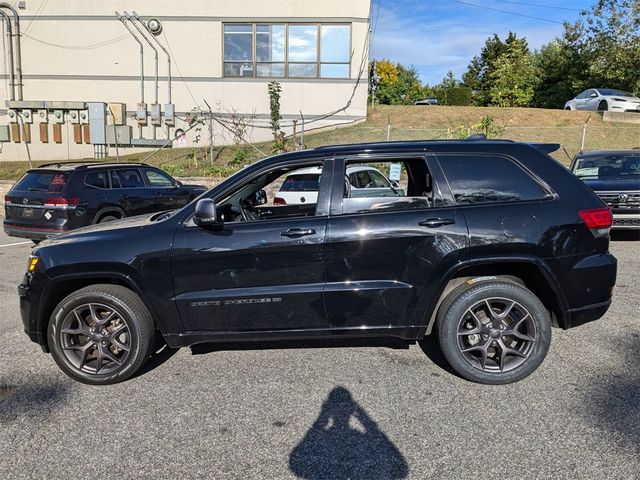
(613, 184)
(116, 227)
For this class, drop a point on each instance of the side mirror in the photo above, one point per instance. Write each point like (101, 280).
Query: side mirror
(206, 215)
(177, 183)
(260, 197)
(593, 95)
(395, 184)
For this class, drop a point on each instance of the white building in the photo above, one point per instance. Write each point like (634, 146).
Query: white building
(224, 52)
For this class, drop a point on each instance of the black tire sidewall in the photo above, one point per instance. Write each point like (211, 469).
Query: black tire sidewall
(462, 300)
(134, 361)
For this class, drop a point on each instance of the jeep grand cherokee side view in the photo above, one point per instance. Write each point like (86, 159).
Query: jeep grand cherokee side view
(491, 244)
(59, 197)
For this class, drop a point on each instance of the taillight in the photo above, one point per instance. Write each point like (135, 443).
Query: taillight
(279, 201)
(597, 217)
(61, 201)
(7, 200)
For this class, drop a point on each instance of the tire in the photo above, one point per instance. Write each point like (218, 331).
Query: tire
(568, 108)
(97, 354)
(603, 106)
(493, 350)
(108, 218)
(36, 241)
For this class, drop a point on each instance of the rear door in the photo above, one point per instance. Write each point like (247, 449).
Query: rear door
(129, 191)
(386, 256)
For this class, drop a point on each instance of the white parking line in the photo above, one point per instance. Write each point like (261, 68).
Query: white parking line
(14, 244)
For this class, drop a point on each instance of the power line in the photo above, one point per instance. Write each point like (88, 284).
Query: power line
(76, 47)
(538, 5)
(507, 12)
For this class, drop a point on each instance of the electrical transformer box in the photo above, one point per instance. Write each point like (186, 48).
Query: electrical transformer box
(97, 123)
(117, 114)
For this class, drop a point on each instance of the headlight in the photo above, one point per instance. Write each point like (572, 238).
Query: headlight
(620, 100)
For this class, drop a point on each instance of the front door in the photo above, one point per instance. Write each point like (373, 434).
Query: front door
(263, 273)
(386, 256)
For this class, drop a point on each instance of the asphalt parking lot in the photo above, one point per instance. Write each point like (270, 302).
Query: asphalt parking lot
(322, 412)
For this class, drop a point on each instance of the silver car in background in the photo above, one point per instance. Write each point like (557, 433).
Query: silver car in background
(603, 99)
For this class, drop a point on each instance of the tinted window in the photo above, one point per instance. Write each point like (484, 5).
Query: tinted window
(619, 165)
(158, 179)
(307, 182)
(582, 95)
(42, 182)
(615, 93)
(488, 179)
(130, 178)
(378, 180)
(97, 179)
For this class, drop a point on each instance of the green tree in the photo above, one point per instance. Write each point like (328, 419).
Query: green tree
(512, 77)
(399, 85)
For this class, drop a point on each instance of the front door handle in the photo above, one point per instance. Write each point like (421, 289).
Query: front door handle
(436, 222)
(298, 232)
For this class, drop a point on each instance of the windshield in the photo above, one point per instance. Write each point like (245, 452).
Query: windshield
(606, 166)
(617, 93)
(52, 182)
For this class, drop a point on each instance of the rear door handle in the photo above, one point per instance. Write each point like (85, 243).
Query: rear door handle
(436, 222)
(298, 232)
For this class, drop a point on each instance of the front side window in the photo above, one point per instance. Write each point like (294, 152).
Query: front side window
(287, 50)
(478, 179)
(158, 179)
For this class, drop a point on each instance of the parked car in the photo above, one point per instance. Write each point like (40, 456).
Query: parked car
(59, 197)
(602, 99)
(426, 101)
(614, 175)
(493, 243)
(302, 185)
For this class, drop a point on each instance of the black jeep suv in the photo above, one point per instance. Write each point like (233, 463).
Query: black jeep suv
(488, 245)
(56, 198)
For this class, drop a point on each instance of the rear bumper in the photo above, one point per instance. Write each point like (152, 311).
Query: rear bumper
(580, 316)
(32, 232)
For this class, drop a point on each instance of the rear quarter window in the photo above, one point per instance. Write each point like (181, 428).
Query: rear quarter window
(54, 182)
(476, 179)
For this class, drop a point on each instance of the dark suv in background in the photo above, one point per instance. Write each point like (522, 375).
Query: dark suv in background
(614, 175)
(56, 198)
(487, 245)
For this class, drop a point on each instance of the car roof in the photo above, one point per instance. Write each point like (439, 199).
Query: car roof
(69, 166)
(604, 153)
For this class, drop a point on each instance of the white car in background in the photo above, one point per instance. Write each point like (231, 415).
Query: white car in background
(602, 99)
(301, 186)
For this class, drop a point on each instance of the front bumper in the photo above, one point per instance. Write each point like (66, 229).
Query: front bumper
(29, 305)
(626, 221)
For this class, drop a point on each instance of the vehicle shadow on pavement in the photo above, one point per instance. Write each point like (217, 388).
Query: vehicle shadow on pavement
(32, 400)
(432, 350)
(161, 354)
(614, 404)
(625, 235)
(345, 442)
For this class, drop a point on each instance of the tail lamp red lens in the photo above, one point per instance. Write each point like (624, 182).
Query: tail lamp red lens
(61, 201)
(597, 217)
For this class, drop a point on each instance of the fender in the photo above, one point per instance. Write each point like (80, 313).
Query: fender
(108, 209)
(543, 268)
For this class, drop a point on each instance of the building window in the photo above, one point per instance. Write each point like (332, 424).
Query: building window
(287, 50)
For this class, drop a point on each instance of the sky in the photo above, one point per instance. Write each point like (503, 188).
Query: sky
(436, 36)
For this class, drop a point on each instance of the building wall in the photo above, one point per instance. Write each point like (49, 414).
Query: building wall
(78, 50)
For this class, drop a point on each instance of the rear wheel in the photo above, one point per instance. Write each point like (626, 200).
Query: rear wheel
(109, 217)
(493, 332)
(101, 334)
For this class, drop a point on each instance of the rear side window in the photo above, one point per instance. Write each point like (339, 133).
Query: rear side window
(97, 179)
(307, 182)
(42, 182)
(488, 179)
(129, 178)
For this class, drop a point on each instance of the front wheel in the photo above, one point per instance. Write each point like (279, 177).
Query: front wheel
(603, 106)
(493, 332)
(101, 334)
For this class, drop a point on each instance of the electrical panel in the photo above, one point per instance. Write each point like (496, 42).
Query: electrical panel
(98, 123)
(169, 114)
(58, 116)
(123, 134)
(141, 114)
(43, 116)
(27, 117)
(156, 115)
(117, 114)
(84, 117)
(13, 115)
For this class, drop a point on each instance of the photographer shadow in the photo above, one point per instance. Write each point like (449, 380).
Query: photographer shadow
(344, 442)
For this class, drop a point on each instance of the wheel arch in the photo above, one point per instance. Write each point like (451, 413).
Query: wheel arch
(108, 209)
(60, 287)
(531, 273)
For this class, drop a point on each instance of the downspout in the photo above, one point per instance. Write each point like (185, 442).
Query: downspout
(12, 86)
(137, 17)
(155, 50)
(18, 60)
(124, 22)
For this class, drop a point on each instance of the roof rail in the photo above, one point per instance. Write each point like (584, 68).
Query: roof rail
(60, 164)
(476, 137)
(85, 164)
